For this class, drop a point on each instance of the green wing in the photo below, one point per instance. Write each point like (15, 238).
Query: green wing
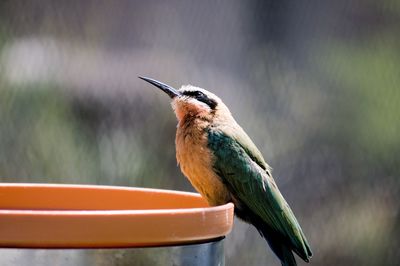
(241, 166)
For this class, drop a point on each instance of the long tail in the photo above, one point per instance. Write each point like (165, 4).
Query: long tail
(283, 252)
(282, 249)
(280, 245)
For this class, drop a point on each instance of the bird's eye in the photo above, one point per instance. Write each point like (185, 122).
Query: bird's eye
(198, 94)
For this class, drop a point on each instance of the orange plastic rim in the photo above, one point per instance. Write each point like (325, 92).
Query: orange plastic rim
(86, 216)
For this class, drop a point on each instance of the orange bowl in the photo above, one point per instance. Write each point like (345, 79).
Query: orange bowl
(88, 216)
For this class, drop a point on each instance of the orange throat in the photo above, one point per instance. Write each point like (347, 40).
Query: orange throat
(196, 160)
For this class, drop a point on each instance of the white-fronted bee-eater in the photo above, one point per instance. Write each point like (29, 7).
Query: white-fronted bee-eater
(224, 165)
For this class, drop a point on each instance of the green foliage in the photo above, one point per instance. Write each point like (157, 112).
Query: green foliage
(368, 76)
(43, 139)
(39, 138)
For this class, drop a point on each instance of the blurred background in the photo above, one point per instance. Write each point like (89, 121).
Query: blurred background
(314, 83)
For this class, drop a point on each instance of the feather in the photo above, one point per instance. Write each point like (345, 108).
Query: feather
(242, 169)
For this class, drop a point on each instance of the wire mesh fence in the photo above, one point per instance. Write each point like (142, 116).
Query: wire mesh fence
(314, 83)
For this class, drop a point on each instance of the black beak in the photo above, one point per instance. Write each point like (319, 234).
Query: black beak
(164, 87)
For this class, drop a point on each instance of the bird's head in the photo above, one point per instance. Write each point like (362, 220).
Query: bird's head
(190, 101)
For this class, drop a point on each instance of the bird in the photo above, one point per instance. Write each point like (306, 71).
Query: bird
(224, 165)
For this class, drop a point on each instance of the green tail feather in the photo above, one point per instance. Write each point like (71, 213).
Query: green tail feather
(287, 257)
(281, 249)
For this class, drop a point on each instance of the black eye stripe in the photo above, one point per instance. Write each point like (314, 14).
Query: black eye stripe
(194, 94)
(200, 96)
